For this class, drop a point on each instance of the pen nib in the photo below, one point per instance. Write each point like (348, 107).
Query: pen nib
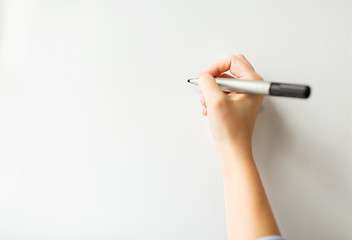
(192, 80)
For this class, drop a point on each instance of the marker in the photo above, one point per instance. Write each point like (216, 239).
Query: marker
(260, 87)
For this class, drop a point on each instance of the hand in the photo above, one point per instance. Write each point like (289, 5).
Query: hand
(231, 115)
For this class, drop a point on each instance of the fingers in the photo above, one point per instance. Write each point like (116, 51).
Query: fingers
(213, 97)
(223, 75)
(205, 112)
(210, 89)
(202, 101)
(237, 64)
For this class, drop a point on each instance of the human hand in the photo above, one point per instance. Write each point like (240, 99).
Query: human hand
(231, 115)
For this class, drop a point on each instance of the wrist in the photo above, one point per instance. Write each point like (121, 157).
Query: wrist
(231, 150)
(241, 142)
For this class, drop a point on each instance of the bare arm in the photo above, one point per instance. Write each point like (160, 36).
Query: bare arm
(248, 213)
(231, 119)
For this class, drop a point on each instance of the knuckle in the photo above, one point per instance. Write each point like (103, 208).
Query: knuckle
(240, 56)
(218, 61)
(233, 56)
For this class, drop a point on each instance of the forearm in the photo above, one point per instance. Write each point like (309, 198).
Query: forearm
(248, 212)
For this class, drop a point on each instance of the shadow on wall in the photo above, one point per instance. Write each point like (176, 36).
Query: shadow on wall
(311, 197)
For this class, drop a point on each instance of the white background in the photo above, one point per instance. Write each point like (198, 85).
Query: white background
(102, 138)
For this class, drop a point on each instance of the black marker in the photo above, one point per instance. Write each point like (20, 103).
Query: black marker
(260, 87)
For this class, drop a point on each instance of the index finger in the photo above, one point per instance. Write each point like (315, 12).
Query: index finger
(237, 64)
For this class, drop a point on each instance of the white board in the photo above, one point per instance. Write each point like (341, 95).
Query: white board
(102, 138)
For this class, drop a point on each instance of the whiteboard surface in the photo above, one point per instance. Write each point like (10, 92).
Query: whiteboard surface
(102, 138)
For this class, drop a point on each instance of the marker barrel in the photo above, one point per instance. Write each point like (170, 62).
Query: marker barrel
(260, 87)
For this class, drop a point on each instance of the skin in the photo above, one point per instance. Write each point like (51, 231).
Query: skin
(231, 119)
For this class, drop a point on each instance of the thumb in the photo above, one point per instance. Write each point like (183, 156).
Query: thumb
(210, 89)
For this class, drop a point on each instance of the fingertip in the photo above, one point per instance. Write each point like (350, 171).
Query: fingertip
(202, 101)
